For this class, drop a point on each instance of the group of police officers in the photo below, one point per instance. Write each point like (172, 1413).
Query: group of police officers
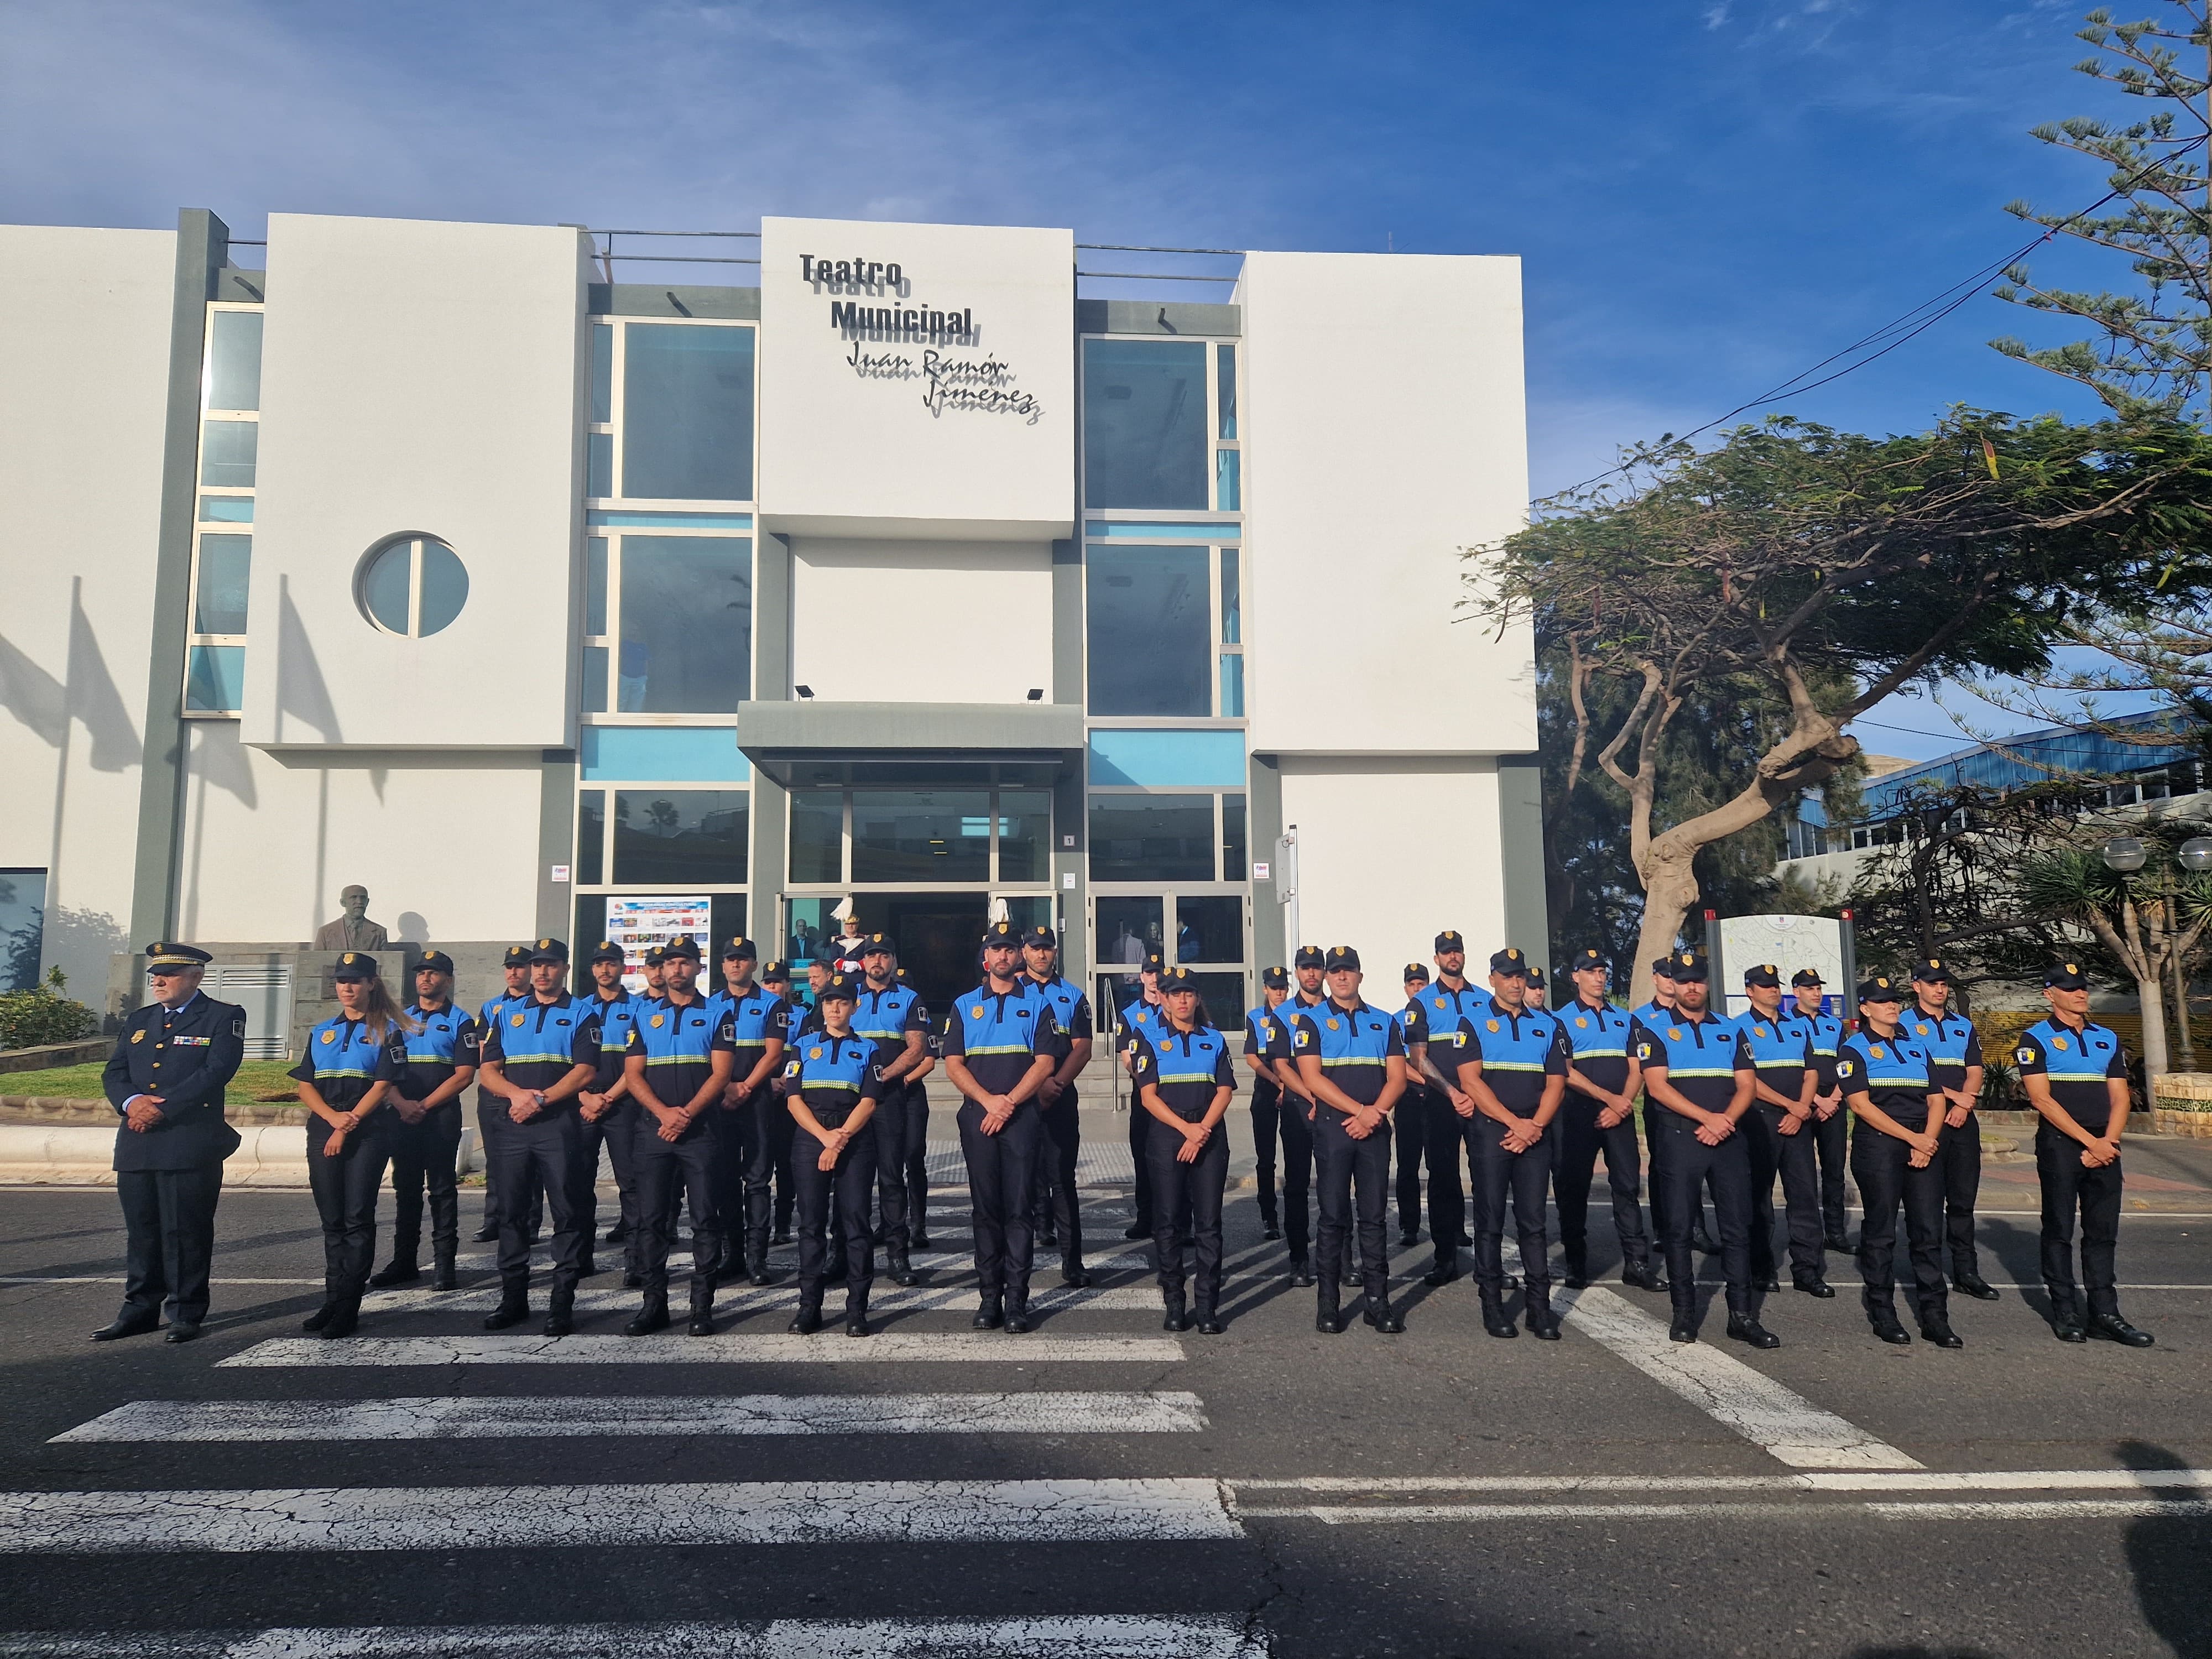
(732, 1103)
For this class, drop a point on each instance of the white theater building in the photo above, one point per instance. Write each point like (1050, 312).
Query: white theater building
(425, 555)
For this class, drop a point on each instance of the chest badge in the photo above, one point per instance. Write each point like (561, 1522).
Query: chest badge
(333, 1036)
(1758, 1030)
(1673, 1034)
(1493, 1024)
(658, 1020)
(138, 1036)
(1876, 1051)
(1582, 1023)
(814, 1054)
(2058, 1043)
(977, 1012)
(1332, 1025)
(1920, 1031)
(1440, 1002)
(516, 1022)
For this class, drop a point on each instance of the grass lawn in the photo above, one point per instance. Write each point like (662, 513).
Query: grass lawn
(257, 1080)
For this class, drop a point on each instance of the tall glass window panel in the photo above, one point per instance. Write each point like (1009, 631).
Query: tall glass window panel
(1026, 911)
(687, 625)
(219, 600)
(726, 918)
(1210, 929)
(1221, 1002)
(594, 696)
(921, 834)
(1232, 598)
(598, 465)
(1150, 628)
(808, 923)
(595, 585)
(818, 835)
(1228, 492)
(1144, 424)
(679, 836)
(1024, 834)
(1224, 392)
(214, 678)
(590, 838)
(1232, 685)
(226, 453)
(233, 360)
(687, 412)
(1235, 849)
(22, 928)
(1127, 928)
(1151, 838)
(603, 372)
(590, 927)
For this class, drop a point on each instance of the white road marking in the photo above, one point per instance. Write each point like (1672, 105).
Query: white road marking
(884, 1297)
(832, 1347)
(1342, 1515)
(1888, 1480)
(1778, 1420)
(1093, 1636)
(826, 1512)
(2078, 1509)
(488, 1417)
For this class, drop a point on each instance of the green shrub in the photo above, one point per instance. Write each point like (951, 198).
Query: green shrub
(31, 1018)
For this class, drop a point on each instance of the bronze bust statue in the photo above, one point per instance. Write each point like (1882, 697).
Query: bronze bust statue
(353, 931)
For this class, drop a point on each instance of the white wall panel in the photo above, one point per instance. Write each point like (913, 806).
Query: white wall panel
(1384, 428)
(922, 621)
(84, 363)
(445, 844)
(1392, 852)
(426, 378)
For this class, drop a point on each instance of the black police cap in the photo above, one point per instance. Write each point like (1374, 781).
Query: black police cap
(683, 946)
(1340, 958)
(778, 971)
(1001, 933)
(1664, 967)
(548, 950)
(517, 956)
(1448, 941)
(1042, 937)
(1277, 979)
(1588, 958)
(1155, 961)
(878, 944)
(1309, 956)
(161, 956)
(655, 955)
(355, 965)
(1930, 970)
(1686, 968)
(1178, 979)
(899, 975)
(607, 950)
(437, 960)
(1880, 988)
(2065, 976)
(1805, 976)
(1508, 961)
(1415, 971)
(740, 949)
(838, 987)
(1765, 973)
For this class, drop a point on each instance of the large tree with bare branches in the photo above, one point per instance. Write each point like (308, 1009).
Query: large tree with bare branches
(1824, 571)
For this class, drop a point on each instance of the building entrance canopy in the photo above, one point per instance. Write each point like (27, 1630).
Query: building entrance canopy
(809, 744)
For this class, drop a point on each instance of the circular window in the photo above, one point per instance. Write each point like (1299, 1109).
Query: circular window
(413, 585)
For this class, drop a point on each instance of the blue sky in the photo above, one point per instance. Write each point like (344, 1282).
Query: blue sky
(1708, 196)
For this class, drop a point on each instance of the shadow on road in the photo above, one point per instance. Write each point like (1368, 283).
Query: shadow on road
(2171, 1558)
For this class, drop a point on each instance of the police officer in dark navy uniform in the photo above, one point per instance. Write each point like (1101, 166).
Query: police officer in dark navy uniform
(1295, 1119)
(1266, 1093)
(1830, 1123)
(1697, 1074)
(1598, 1114)
(1444, 1003)
(1954, 1061)
(1141, 1016)
(1184, 1082)
(833, 1083)
(682, 1053)
(1060, 1205)
(2076, 1079)
(917, 1133)
(165, 1080)
(1001, 1044)
(1413, 1112)
(752, 1109)
(1512, 1066)
(442, 1044)
(1897, 1112)
(891, 1017)
(608, 1116)
(1779, 1132)
(491, 1109)
(1351, 1059)
(541, 1055)
(770, 1129)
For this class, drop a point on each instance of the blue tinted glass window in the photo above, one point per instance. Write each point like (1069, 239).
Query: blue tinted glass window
(226, 452)
(598, 465)
(817, 840)
(445, 586)
(1228, 485)
(595, 585)
(687, 413)
(1235, 855)
(590, 843)
(1232, 686)
(215, 680)
(1233, 598)
(929, 835)
(679, 836)
(22, 928)
(1226, 390)
(603, 371)
(595, 679)
(226, 509)
(219, 603)
(386, 586)
(233, 360)
(1024, 834)
(1150, 628)
(1144, 424)
(687, 625)
(1151, 838)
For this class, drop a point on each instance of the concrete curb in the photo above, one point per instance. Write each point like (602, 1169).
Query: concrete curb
(71, 1155)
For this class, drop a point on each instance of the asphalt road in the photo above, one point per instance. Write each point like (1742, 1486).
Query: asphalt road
(1114, 1489)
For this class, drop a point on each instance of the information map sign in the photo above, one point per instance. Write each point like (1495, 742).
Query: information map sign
(639, 923)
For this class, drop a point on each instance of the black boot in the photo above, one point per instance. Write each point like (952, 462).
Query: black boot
(2066, 1323)
(514, 1308)
(1385, 1318)
(651, 1317)
(1302, 1271)
(1177, 1319)
(1495, 1319)
(703, 1307)
(485, 1233)
(2111, 1327)
(1074, 1275)
(1017, 1316)
(807, 1320)
(561, 1314)
(900, 1268)
(1684, 1326)
(856, 1313)
(1971, 1283)
(1543, 1323)
(1935, 1328)
(132, 1322)
(1328, 1317)
(1209, 1322)
(757, 1267)
(1883, 1316)
(442, 1277)
(1812, 1284)
(615, 1235)
(1577, 1276)
(1644, 1275)
(1445, 1269)
(1269, 1226)
(402, 1269)
(1701, 1240)
(990, 1314)
(344, 1316)
(314, 1322)
(1746, 1328)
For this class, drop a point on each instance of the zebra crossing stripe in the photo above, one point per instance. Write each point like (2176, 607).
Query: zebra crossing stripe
(831, 1512)
(882, 1298)
(536, 1417)
(832, 1347)
(1084, 1637)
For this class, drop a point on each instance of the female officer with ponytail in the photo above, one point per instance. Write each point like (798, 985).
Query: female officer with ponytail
(833, 1081)
(353, 1061)
(1185, 1081)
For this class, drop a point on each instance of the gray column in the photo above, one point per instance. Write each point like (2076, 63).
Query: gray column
(1520, 852)
(1069, 668)
(771, 804)
(203, 249)
(772, 603)
(556, 843)
(1263, 827)
(771, 836)
(1070, 808)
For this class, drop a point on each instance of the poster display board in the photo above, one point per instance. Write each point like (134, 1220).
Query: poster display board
(638, 923)
(1789, 943)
